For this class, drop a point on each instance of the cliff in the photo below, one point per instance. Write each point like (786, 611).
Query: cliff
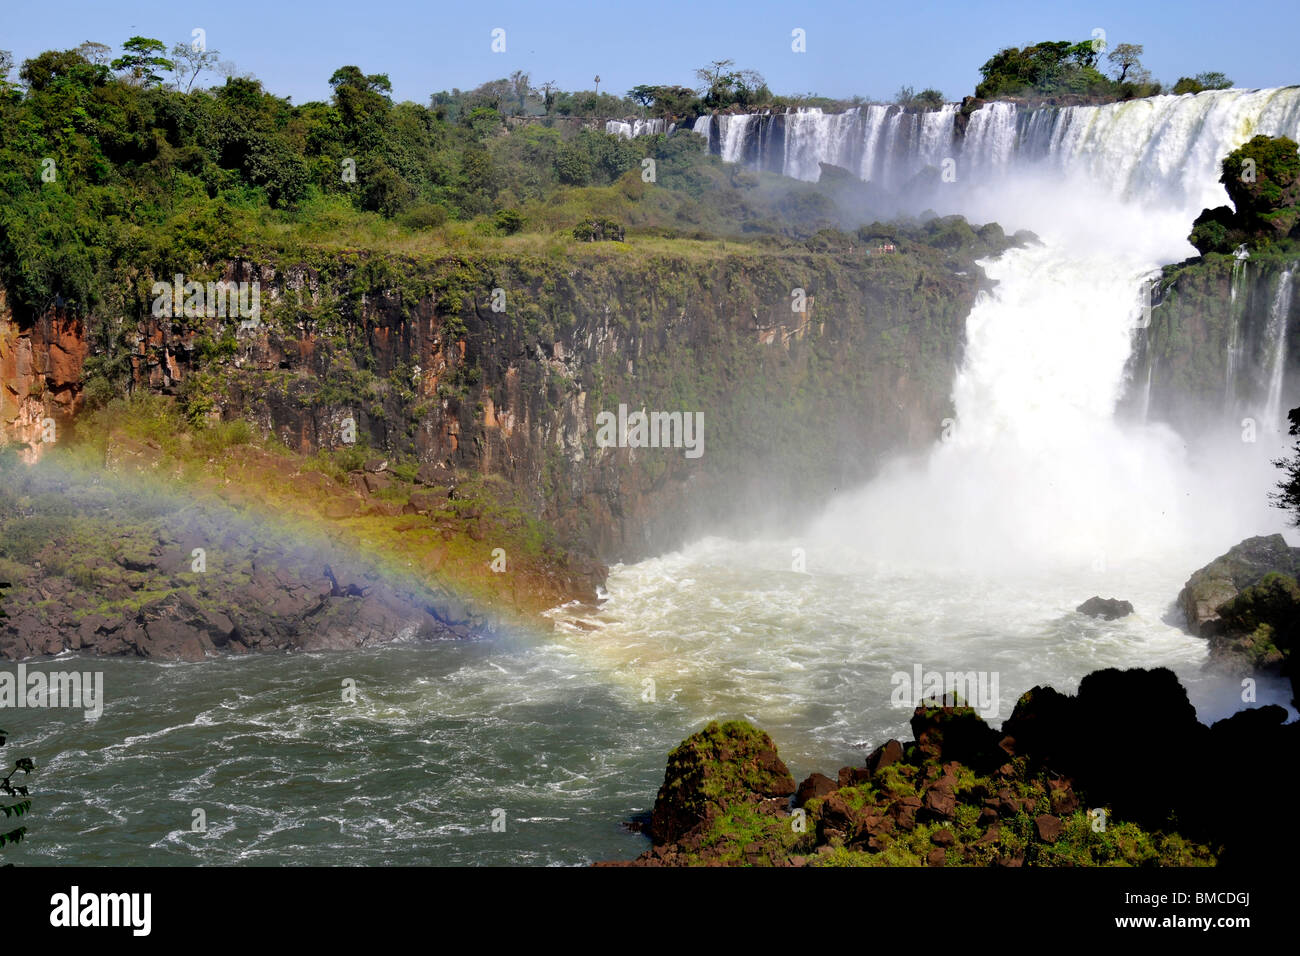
(1211, 347)
(410, 348)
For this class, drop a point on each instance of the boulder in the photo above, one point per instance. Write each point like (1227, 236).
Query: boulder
(1225, 577)
(435, 474)
(1106, 608)
(1048, 827)
(890, 752)
(939, 802)
(710, 770)
(818, 785)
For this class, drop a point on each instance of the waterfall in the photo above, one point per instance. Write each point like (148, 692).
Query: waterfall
(1278, 314)
(990, 139)
(884, 144)
(1163, 146)
(1237, 305)
(1038, 471)
(638, 127)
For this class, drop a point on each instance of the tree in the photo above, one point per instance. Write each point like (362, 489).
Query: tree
(97, 53)
(6, 64)
(665, 100)
(362, 101)
(1287, 495)
(598, 84)
(190, 62)
(712, 74)
(547, 90)
(140, 60)
(1214, 80)
(724, 86)
(643, 94)
(1126, 59)
(42, 72)
(520, 89)
(1050, 67)
(928, 99)
(1262, 178)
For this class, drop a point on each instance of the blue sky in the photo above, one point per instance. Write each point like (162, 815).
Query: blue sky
(864, 47)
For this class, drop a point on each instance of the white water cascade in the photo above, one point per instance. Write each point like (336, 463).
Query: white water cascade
(629, 129)
(1277, 330)
(975, 555)
(1236, 310)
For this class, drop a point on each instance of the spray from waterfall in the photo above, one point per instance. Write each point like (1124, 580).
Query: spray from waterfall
(1038, 472)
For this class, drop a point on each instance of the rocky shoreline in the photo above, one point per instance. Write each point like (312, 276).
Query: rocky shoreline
(1121, 773)
(261, 554)
(1246, 604)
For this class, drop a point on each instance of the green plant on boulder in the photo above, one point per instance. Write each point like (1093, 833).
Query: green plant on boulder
(1262, 178)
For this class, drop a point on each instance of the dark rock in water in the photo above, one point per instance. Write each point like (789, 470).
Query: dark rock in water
(1107, 608)
(1228, 575)
(1247, 604)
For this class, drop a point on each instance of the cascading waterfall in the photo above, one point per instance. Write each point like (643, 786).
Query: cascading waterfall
(1162, 145)
(975, 554)
(638, 127)
(1278, 313)
(1236, 312)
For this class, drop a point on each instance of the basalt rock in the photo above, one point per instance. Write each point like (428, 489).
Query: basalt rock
(1108, 609)
(1127, 744)
(1225, 577)
(710, 771)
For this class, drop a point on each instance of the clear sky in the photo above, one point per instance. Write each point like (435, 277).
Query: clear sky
(859, 47)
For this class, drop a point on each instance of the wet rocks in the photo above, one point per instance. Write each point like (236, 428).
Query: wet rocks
(1228, 575)
(1128, 744)
(1108, 609)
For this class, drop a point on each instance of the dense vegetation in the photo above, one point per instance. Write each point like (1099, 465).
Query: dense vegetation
(1072, 71)
(1262, 178)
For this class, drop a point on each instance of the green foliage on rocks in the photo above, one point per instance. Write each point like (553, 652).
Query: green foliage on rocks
(1262, 178)
(911, 806)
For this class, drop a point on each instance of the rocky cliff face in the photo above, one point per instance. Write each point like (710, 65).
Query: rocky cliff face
(500, 365)
(41, 365)
(1211, 350)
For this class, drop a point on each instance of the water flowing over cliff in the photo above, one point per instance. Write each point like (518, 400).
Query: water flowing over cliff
(1163, 146)
(1043, 487)
(1035, 464)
